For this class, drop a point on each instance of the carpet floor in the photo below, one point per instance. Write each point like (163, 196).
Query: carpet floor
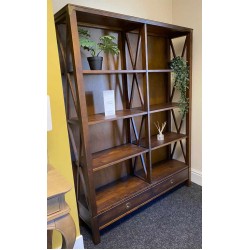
(171, 221)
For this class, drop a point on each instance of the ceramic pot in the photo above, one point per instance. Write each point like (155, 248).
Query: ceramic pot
(95, 62)
(160, 137)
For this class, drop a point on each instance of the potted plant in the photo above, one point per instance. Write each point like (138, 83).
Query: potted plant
(181, 80)
(106, 44)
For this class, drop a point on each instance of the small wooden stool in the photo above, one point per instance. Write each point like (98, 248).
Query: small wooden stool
(58, 217)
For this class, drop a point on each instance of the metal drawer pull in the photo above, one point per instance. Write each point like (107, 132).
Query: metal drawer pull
(128, 205)
(172, 181)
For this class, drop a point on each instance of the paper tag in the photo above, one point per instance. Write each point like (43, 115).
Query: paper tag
(109, 102)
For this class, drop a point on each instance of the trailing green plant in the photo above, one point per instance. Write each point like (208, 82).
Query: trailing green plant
(181, 81)
(106, 44)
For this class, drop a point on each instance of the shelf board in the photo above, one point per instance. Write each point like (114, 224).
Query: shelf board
(115, 155)
(169, 138)
(105, 19)
(160, 70)
(119, 114)
(166, 169)
(103, 72)
(111, 194)
(121, 71)
(163, 107)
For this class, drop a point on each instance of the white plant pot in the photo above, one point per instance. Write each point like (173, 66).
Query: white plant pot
(160, 137)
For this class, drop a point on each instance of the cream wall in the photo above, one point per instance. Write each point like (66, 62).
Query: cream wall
(188, 13)
(158, 10)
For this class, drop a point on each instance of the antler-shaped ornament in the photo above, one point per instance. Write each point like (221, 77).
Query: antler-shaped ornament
(160, 129)
(160, 136)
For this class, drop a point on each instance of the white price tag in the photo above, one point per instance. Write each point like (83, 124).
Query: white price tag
(109, 102)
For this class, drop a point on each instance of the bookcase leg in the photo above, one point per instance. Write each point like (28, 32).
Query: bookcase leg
(188, 182)
(95, 231)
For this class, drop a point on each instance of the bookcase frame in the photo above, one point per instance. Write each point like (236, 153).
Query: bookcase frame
(99, 206)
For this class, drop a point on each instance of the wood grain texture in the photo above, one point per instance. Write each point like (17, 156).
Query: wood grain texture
(134, 199)
(124, 22)
(166, 169)
(56, 183)
(163, 107)
(115, 192)
(115, 155)
(119, 114)
(84, 149)
(58, 217)
(169, 137)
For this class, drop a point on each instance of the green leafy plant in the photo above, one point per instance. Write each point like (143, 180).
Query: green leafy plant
(106, 44)
(181, 81)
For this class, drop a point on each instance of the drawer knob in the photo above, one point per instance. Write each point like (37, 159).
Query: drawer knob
(172, 181)
(128, 205)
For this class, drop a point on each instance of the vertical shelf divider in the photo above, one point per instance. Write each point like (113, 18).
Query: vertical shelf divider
(144, 46)
(168, 84)
(125, 92)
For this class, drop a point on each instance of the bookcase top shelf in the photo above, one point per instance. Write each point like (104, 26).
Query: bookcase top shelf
(105, 19)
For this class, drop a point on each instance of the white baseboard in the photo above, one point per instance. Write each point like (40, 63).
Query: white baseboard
(79, 244)
(196, 177)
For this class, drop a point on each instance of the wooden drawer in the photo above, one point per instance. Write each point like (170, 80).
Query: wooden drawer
(124, 208)
(130, 205)
(170, 182)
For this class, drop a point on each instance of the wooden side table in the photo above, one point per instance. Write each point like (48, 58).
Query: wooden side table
(58, 217)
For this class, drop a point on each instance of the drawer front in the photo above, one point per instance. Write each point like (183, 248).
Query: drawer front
(130, 205)
(119, 211)
(171, 182)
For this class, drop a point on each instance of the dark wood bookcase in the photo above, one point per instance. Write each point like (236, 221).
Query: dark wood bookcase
(118, 164)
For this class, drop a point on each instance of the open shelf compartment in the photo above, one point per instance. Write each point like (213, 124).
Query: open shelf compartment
(165, 169)
(115, 192)
(119, 114)
(104, 72)
(115, 155)
(163, 107)
(169, 137)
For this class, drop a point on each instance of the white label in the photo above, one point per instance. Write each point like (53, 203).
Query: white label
(109, 102)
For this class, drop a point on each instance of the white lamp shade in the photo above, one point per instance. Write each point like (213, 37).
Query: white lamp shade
(49, 120)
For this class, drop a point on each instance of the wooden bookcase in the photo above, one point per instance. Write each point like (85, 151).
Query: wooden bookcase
(118, 163)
